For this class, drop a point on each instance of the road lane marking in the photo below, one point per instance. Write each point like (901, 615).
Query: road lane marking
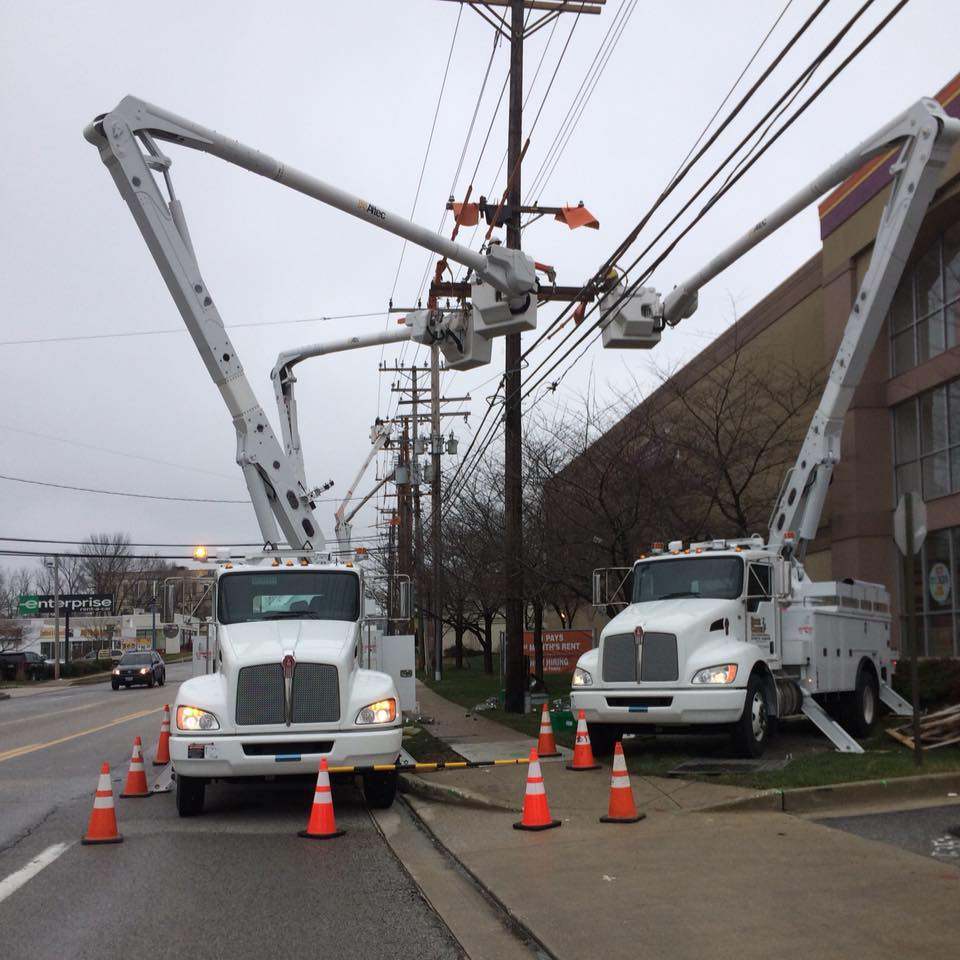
(16, 880)
(31, 747)
(57, 713)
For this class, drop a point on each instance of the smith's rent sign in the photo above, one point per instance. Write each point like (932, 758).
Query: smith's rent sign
(42, 604)
(561, 648)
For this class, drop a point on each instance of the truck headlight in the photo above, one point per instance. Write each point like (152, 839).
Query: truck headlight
(725, 673)
(383, 711)
(144, 670)
(193, 718)
(116, 671)
(582, 678)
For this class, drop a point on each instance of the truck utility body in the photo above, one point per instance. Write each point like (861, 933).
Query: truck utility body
(735, 633)
(288, 687)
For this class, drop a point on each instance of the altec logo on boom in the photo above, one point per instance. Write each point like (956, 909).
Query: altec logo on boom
(39, 604)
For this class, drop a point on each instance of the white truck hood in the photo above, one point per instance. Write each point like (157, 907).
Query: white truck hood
(677, 616)
(265, 641)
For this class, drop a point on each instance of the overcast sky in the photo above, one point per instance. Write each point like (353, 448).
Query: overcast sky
(347, 91)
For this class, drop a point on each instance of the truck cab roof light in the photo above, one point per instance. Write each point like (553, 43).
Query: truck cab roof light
(675, 546)
(274, 562)
(656, 547)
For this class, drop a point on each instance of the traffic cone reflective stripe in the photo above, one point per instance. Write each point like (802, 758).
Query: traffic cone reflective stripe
(162, 755)
(536, 813)
(322, 825)
(102, 827)
(546, 744)
(621, 808)
(136, 785)
(582, 751)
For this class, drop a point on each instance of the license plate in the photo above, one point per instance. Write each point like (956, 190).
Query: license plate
(202, 751)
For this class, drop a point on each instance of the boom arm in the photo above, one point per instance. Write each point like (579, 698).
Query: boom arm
(126, 139)
(926, 134)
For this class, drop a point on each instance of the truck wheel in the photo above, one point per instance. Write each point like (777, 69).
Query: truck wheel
(380, 789)
(115, 684)
(150, 681)
(190, 792)
(751, 731)
(862, 707)
(603, 738)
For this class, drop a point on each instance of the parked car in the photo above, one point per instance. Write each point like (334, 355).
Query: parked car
(142, 667)
(24, 663)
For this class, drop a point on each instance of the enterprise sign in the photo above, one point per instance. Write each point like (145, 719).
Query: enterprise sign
(42, 604)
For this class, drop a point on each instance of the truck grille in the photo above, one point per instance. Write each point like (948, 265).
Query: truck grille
(658, 658)
(658, 662)
(619, 658)
(316, 694)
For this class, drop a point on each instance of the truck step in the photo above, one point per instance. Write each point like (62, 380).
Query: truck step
(894, 701)
(828, 726)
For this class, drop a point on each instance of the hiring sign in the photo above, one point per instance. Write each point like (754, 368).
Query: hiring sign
(75, 604)
(561, 648)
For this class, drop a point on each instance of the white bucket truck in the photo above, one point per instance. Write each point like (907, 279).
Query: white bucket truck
(288, 687)
(734, 633)
(285, 686)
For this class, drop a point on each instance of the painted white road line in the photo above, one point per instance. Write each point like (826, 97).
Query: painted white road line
(16, 880)
(59, 713)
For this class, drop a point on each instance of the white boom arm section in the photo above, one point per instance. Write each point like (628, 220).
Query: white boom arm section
(126, 138)
(381, 436)
(926, 134)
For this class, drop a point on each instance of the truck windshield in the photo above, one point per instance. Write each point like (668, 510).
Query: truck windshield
(288, 595)
(720, 578)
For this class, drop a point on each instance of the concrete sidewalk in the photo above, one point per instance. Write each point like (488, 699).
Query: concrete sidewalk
(681, 883)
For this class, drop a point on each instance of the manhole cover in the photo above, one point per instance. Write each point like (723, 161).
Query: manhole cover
(713, 768)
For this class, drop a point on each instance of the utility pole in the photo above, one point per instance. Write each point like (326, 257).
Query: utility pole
(436, 442)
(542, 12)
(513, 452)
(418, 529)
(431, 651)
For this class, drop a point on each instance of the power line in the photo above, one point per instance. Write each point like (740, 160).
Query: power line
(801, 80)
(168, 330)
(81, 543)
(733, 179)
(151, 496)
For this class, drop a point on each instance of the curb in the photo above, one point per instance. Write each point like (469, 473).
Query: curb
(520, 926)
(857, 793)
(458, 796)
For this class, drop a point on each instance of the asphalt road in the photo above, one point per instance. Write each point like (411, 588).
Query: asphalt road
(929, 831)
(235, 882)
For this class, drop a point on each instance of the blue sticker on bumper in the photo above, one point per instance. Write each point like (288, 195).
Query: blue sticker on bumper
(638, 709)
(287, 757)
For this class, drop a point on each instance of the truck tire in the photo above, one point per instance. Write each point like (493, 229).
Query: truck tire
(380, 788)
(751, 732)
(603, 738)
(115, 684)
(190, 792)
(862, 707)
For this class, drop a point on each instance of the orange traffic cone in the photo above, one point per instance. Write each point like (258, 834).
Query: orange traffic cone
(322, 825)
(621, 808)
(536, 813)
(582, 751)
(546, 744)
(102, 827)
(162, 755)
(136, 785)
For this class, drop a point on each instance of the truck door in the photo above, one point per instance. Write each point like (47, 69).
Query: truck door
(761, 619)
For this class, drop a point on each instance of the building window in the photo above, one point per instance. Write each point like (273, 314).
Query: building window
(926, 442)
(936, 576)
(925, 311)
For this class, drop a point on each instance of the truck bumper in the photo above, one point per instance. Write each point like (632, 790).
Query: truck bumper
(239, 755)
(626, 707)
